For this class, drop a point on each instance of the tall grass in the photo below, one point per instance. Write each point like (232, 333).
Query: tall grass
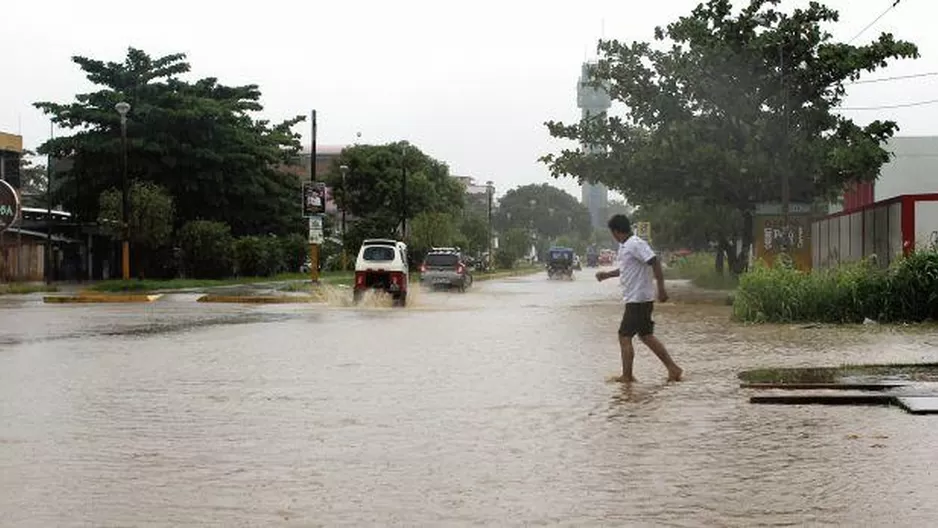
(699, 268)
(907, 291)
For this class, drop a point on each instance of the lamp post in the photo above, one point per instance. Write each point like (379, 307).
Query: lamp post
(122, 109)
(344, 170)
(490, 190)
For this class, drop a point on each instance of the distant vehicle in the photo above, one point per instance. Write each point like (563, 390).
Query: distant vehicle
(606, 257)
(592, 257)
(382, 265)
(560, 263)
(445, 268)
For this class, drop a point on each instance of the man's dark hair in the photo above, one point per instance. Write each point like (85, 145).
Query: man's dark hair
(620, 223)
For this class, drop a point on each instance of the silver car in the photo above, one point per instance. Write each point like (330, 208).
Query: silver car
(445, 269)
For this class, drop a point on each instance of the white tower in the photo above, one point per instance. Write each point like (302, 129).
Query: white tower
(593, 103)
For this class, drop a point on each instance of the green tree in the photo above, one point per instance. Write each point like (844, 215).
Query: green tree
(150, 218)
(736, 103)
(32, 180)
(474, 229)
(514, 244)
(197, 139)
(207, 249)
(545, 210)
(430, 229)
(374, 188)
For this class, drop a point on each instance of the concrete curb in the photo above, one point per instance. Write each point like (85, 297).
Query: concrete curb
(259, 299)
(99, 298)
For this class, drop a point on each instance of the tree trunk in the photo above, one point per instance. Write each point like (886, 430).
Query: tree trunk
(721, 257)
(742, 259)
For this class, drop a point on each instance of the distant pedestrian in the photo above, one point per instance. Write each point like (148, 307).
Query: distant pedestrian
(638, 270)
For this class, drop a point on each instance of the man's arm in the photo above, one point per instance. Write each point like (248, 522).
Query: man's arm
(659, 278)
(603, 275)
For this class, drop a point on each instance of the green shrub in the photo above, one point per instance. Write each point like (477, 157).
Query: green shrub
(207, 249)
(295, 251)
(905, 292)
(700, 269)
(259, 256)
(249, 256)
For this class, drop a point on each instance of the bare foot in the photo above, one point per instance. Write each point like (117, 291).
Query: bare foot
(676, 375)
(625, 379)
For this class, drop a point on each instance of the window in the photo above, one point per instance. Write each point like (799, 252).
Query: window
(381, 253)
(441, 260)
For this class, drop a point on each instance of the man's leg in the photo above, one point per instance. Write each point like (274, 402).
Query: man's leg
(626, 333)
(656, 346)
(628, 355)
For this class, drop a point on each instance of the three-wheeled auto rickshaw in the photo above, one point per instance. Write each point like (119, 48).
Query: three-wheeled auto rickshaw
(560, 263)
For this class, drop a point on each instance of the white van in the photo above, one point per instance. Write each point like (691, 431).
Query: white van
(382, 265)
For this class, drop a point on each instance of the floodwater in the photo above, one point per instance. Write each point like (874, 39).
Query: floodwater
(488, 408)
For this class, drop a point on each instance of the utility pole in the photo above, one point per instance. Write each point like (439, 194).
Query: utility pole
(313, 247)
(786, 155)
(48, 252)
(489, 187)
(344, 169)
(404, 192)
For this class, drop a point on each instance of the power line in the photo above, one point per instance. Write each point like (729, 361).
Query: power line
(886, 107)
(894, 78)
(877, 19)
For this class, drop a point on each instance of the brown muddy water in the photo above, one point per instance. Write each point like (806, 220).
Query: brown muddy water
(489, 408)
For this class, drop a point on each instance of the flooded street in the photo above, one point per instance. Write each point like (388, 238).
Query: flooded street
(488, 408)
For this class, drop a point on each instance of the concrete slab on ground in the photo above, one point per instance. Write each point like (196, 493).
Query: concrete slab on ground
(919, 404)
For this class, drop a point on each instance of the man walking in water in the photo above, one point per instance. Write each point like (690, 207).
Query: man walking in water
(637, 264)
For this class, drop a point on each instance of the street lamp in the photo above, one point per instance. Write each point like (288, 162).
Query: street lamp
(122, 109)
(490, 190)
(344, 170)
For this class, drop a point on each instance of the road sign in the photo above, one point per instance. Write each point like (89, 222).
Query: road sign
(314, 198)
(643, 230)
(315, 230)
(9, 205)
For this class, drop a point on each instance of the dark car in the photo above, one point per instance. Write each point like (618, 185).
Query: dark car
(445, 269)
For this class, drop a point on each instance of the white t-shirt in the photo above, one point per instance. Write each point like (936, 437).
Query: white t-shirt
(636, 277)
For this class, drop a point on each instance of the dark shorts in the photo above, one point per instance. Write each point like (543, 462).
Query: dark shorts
(637, 320)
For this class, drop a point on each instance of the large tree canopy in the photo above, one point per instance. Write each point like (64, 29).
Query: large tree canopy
(734, 104)
(374, 182)
(549, 211)
(196, 139)
(373, 189)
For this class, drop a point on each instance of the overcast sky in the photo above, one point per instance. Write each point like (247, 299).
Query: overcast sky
(470, 83)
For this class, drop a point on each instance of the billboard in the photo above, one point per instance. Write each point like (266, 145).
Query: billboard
(11, 142)
(773, 237)
(314, 198)
(643, 230)
(9, 205)
(315, 230)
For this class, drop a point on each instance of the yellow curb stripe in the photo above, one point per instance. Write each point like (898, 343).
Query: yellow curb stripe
(257, 299)
(100, 298)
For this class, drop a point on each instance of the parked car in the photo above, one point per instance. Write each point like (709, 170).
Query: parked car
(382, 265)
(445, 268)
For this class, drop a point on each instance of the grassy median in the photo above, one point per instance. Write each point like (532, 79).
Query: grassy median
(23, 288)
